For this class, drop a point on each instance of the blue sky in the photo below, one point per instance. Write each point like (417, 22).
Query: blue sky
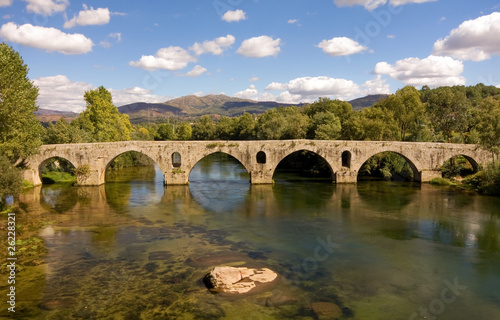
(283, 50)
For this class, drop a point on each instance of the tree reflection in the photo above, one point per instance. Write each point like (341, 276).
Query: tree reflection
(58, 198)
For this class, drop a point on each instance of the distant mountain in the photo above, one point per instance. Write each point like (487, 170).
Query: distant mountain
(194, 106)
(368, 101)
(46, 115)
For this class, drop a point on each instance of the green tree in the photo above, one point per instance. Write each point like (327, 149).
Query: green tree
(19, 129)
(184, 132)
(166, 132)
(378, 125)
(448, 110)
(102, 119)
(407, 108)
(245, 127)
(204, 129)
(342, 109)
(489, 124)
(326, 126)
(225, 128)
(10, 180)
(63, 132)
(282, 123)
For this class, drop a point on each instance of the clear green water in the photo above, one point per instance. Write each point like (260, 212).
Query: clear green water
(132, 249)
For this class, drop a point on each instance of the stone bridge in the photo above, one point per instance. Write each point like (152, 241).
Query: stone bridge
(260, 158)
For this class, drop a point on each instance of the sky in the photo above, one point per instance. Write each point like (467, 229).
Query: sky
(288, 51)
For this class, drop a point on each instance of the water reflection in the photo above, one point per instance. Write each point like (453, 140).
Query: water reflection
(58, 198)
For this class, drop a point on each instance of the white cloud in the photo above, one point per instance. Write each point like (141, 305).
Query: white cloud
(373, 4)
(215, 47)
(376, 86)
(258, 47)
(391, 36)
(88, 17)
(433, 71)
(196, 71)
(313, 87)
(5, 3)
(341, 46)
(49, 39)
(473, 40)
(60, 93)
(116, 37)
(249, 93)
(46, 7)
(135, 94)
(234, 16)
(170, 58)
(253, 79)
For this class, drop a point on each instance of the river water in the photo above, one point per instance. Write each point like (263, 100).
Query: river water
(132, 249)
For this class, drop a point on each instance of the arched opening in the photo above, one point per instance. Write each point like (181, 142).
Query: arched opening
(176, 160)
(131, 166)
(261, 157)
(459, 167)
(388, 166)
(303, 165)
(57, 170)
(346, 159)
(219, 182)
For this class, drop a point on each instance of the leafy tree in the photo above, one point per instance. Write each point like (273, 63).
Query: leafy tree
(325, 126)
(141, 134)
(407, 108)
(165, 131)
(378, 125)
(448, 110)
(245, 127)
(184, 132)
(282, 123)
(102, 119)
(10, 180)
(225, 128)
(342, 109)
(19, 129)
(204, 129)
(489, 124)
(62, 132)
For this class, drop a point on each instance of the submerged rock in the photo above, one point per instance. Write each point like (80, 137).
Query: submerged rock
(237, 280)
(326, 310)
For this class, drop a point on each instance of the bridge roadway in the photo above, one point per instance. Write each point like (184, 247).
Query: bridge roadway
(260, 158)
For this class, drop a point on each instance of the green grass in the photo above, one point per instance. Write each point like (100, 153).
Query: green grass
(442, 182)
(52, 177)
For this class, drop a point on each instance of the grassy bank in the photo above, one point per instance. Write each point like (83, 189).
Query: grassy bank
(52, 177)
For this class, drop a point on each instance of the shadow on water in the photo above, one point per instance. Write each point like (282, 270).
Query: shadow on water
(58, 198)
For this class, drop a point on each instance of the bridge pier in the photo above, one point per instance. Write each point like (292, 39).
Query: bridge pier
(428, 175)
(175, 178)
(346, 177)
(261, 177)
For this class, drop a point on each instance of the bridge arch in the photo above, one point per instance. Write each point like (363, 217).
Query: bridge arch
(413, 164)
(109, 160)
(471, 158)
(326, 159)
(203, 155)
(47, 159)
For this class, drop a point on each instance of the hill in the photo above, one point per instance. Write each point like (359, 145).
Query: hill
(368, 101)
(46, 115)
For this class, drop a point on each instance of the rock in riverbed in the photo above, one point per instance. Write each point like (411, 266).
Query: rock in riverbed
(237, 280)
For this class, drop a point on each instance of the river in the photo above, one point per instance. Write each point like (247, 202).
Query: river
(132, 249)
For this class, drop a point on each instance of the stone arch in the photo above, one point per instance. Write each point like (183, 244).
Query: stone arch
(46, 159)
(200, 157)
(261, 157)
(176, 160)
(295, 150)
(475, 165)
(107, 161)
(346, 159)
(414, 165)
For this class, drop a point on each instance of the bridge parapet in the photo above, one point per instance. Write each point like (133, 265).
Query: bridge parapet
(260, 158)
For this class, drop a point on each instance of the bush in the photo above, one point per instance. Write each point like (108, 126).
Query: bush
(441, 182)
(486, 181)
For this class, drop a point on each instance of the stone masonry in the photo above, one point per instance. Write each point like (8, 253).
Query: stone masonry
(176, 159)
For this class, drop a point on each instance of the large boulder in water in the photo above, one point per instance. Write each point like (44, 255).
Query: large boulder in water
(237, 280)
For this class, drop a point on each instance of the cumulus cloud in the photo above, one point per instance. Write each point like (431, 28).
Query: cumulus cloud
(376, 86)
(253, 79)
(341, 46)
(373, 4)
(61, 94)
(170, 58)
(49, 39)
(196, 71)
(250, 93)
(475, 40)
(292, 21)
(215, 47)
(310, 88)
(433, 71)
(114, 37)
(5, 3)
(258, 47)
(136, 94)
(88, 17)
(234, 16)
(46, 7)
